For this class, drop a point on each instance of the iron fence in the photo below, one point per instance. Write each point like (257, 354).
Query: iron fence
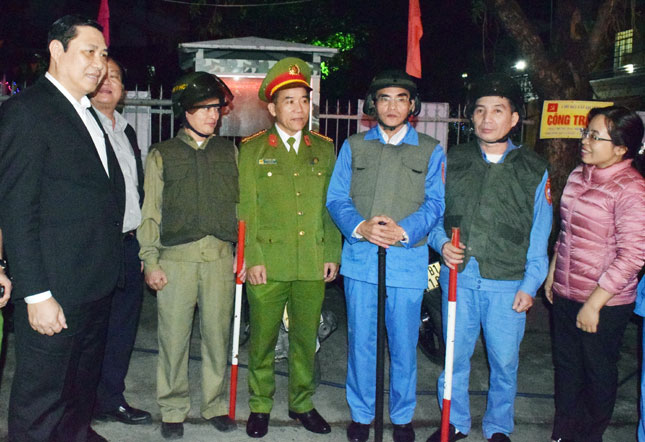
(153, 119)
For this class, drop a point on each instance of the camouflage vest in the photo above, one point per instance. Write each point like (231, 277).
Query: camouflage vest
(492, 204)
(200, 191)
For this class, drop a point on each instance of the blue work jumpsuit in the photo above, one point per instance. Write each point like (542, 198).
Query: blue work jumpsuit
(487, 304)
(406, 278)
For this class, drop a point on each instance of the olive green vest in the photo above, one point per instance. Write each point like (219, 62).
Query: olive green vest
(492, 204)
(388, 179)
(200, 191)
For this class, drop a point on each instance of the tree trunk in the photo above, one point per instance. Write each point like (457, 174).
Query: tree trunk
(563, 155)
(562, 72)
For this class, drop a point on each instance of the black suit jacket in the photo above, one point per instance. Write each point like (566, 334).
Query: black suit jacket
(60, 213)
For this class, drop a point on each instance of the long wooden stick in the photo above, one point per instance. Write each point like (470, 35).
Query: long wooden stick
(241, 234)
(450, 345)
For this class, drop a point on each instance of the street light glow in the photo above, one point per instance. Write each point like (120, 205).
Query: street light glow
(629, 68)
(464, 75)
(520, 65)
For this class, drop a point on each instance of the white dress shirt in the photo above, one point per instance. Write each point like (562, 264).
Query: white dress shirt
(82, 108)
(396, 138)
(285, 136)
(125, 156)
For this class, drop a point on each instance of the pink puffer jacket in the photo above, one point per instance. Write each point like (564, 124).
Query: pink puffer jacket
(602, 237)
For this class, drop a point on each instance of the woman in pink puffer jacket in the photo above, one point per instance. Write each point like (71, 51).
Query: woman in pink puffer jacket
(593, 274)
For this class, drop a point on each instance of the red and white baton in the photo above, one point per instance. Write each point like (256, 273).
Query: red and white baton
(241, 234)
(450, 344)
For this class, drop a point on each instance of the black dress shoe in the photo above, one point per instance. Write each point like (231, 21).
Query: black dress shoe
(223, 423)
(403, 433)
(312, 421)
(562, 439)
(452, 435)
(499, 437)
(172, 430)
(93, 436)
(257, 425)
(357, 432)
(126, 414)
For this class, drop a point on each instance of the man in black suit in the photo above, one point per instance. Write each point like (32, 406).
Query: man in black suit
(62, 205)
(126, 302)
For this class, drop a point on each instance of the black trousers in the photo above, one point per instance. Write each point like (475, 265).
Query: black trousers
(122, 331)
(586, 375)
(54, 384)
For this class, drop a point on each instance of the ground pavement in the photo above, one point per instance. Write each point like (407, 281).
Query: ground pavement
(534, 404)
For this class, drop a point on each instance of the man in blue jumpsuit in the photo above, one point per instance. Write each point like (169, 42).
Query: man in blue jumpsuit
(386, 190)
(498, 194)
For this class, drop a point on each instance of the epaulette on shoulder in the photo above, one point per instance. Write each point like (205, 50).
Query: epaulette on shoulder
(255, 135)
(324, 137)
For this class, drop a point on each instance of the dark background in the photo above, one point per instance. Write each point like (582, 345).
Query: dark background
(459, 36)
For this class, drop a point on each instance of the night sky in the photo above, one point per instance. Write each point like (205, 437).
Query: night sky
(146, 33)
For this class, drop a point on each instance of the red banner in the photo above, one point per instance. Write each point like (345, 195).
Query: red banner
(415, 32)
(104, 20)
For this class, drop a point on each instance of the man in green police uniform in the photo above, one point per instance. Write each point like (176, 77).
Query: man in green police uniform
(292, 245)
(187, 233)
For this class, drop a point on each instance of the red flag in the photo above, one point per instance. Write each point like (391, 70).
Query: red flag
(104, 20)
(415, 31)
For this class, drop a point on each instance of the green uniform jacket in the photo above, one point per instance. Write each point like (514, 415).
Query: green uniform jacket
(282, 200)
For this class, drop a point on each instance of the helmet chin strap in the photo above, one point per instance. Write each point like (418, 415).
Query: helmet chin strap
(385, 126)
(504, 139)
(501, 140)
(185, 123)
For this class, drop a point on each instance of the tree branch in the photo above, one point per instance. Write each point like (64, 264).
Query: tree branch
(544, 75)
(601, 34)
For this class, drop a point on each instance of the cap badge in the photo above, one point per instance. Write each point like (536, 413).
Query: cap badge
(294, 69)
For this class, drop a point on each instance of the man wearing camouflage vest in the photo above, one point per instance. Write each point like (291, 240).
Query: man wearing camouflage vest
(386, 191)
(187, 240)
(498, 194)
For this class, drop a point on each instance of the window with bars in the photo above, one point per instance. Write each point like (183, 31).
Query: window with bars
(623, 47)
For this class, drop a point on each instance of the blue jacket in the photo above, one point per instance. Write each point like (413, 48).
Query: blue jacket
(537, 261)
(406, 266)
(640, 298)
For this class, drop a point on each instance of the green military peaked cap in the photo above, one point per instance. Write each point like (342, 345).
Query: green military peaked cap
(286, 73)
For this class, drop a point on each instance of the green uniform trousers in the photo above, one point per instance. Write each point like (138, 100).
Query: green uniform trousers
(266, 301)
(209, 285)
